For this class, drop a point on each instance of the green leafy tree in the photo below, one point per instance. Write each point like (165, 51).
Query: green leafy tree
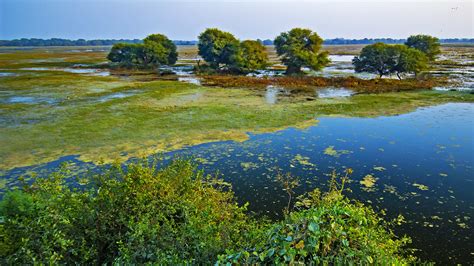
(301, 48)
(251, 56)
(159, 50)
(156, 50)
(427, 44)
(125, 54)
(385, 59)
(218, 48)
(407, 60)
(374, 58)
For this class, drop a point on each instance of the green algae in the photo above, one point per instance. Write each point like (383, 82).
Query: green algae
(368, 182)
(420, 186)
(335, 153)
(303, 160)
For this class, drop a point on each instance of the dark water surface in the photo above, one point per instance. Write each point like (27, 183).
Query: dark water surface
(422, 163)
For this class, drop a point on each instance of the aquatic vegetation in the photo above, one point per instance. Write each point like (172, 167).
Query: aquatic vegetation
(379, 168)
(248, 165)
(420, 186)
(70, 118)
(368, 182)
(335, 153)
(303, 160)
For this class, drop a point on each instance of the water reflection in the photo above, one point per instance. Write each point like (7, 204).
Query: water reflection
(334, 93)
(272, 93)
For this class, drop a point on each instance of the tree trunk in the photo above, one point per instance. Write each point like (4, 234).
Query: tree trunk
(398, 75)
(293, 69)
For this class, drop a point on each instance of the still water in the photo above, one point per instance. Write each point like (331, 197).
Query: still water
(421, 162)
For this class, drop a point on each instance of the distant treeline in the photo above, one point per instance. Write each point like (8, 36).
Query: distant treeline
(82, 42)
(79, 42)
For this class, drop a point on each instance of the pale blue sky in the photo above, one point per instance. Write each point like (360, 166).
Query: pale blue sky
(263, 19)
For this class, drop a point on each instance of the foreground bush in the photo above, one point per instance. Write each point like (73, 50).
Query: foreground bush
(329, 230)
(178, 215)
(137, 215)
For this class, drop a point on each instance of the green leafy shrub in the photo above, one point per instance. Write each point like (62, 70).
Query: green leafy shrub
(330, 229)
(177, 215)
(135, 215)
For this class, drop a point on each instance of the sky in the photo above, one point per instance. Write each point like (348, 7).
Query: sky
(264, 19)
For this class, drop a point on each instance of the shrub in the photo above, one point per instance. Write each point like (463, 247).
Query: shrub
(135, 215)
(330, 229)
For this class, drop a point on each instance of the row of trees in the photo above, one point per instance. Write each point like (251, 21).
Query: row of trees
(297, 49)
(98, 42)
(385, 59)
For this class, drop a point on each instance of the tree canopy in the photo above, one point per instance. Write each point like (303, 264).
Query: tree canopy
(427, 44)
(251, 56)
(301, 48)
(217, 47)
(385, 59)
(155, 50)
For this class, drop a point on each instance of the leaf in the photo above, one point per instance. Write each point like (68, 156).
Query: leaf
(270, 252)
(345, 242)
(369, 259)
(300, 245)
(262, 256)
(313, 227)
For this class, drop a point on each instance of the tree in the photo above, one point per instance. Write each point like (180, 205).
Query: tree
(156, 50)
(301, 48)
(125, 54)
(217, 47)
(251, 56)
(374, 58)
(407, 60)
(386, 59)
(160, 50)
(427, 44)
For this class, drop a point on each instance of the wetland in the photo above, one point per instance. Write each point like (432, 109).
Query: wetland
(410, 143)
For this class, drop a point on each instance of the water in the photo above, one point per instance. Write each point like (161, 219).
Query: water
(184, 74)
(422, 163)
(7, 74)
(86, 71)
(117, 95)
(334, 93)
(272, 94)
(341, 58)
(28, 100)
